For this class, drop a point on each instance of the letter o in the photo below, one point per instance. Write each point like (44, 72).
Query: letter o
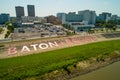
(43, 46)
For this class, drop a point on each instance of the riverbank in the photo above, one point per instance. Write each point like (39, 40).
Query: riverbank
(110, 72)
(80, 68)
(61, 64)
(28, 47)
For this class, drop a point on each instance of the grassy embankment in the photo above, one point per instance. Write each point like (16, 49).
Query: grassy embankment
(39, 64)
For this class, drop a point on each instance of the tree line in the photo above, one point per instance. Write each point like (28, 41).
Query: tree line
(111, 24)
(10, 29)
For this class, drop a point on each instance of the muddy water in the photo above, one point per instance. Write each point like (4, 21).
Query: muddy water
(111, 72)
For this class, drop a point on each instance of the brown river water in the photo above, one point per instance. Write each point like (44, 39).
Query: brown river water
(111, 72)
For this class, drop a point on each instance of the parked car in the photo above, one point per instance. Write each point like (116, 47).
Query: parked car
(21, 30)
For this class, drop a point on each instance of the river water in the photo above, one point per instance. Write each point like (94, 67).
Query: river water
(111, 72)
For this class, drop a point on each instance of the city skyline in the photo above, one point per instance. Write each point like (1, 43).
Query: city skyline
(48, 7)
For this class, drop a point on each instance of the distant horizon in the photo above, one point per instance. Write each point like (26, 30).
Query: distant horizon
(62, 12)
(47, 7)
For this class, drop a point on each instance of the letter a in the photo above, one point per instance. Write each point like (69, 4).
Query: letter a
(25, 48)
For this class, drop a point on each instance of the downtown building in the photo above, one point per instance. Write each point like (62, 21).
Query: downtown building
(31, 14)
(115, 17)
(82, 21)
(4, 17)
(19, 12)
(106, 16)
(31, 10)
(29, 20)
(53, 20)
(89, 16)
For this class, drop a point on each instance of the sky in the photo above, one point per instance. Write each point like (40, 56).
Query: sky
(51, 7)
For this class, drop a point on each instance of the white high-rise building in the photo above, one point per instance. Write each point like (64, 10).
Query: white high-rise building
(88, 15)
(83, 21)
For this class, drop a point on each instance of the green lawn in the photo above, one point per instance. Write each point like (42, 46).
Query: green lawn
(38, 64)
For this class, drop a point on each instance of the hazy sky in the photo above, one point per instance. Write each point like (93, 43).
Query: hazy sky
(51, 7)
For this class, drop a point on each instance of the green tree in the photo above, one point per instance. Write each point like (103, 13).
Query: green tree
(7, 23)
(68, 26)
(1, 30)
(10, 28)
(114, 28)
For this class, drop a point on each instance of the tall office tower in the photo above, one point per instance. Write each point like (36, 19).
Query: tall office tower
(31, 10)
(19, 11)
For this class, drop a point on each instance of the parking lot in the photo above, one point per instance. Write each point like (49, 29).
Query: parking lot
(38, 31)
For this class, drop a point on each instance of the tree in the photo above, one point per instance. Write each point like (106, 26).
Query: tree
(1, 30)
(10, 28)
(7, 23)
(109, 25)
(114, 28)
(68, 26)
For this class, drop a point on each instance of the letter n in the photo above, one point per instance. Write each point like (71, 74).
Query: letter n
(53, 44)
